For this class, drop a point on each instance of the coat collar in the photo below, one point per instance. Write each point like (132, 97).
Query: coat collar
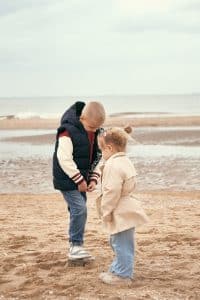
(118, 154)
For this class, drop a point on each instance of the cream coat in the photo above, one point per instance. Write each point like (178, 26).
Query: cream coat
(120, 210)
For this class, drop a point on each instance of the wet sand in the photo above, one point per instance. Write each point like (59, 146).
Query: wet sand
(34, 250)
(166, 137)
(33, 173)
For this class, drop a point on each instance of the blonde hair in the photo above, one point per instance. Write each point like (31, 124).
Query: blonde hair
(118, 137)
(95, 112)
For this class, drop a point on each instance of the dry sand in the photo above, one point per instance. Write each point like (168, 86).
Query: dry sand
(34, 250)
(120, 120)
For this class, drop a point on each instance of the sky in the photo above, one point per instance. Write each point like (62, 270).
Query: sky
(99, 47)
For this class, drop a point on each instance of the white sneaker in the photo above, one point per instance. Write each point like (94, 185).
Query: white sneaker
(78, 252)
(112, 279)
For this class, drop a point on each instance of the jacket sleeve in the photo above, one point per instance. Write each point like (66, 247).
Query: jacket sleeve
(95, 174)
(112, 186)
(65, 158)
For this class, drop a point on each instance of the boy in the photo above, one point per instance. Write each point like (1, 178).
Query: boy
(75, 169)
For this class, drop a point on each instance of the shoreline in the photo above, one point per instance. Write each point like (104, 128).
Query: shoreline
(119, 120)
(181, 137)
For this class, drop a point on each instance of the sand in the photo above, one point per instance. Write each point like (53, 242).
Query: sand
(182, 137)
(34, 250)
(119, 120)
(34, 222)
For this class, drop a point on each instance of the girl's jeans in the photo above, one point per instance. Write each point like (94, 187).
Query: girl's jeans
(76, 202)
(122, 244)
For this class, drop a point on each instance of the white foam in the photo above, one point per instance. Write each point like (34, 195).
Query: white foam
(29, 115)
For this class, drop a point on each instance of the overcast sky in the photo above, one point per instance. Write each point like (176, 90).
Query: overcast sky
(97, 47)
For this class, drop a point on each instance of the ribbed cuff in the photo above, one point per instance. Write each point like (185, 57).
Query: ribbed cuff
(78, 178)
(94, 180)
(94, 176)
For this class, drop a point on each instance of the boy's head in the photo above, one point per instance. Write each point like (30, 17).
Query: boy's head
(113, 140)
(92, 116)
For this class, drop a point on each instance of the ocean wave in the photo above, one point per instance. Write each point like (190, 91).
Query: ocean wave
(30, 115)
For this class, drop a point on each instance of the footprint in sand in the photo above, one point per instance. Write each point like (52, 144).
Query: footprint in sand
(49, 260)
(145, 243)
(16, 242)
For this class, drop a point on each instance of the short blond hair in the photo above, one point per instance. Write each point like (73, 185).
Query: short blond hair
(94, 111)
(118, 137)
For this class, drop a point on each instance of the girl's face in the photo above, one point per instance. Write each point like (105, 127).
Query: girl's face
(106, 149)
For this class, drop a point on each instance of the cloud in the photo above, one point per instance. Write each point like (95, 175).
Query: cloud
(130, 7)
(158, 23)
(9, 6)
(177, 16)
(191, 6)
(65, 46)
(175, 20)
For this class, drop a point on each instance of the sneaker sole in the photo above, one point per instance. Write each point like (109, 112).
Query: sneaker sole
(81, 258)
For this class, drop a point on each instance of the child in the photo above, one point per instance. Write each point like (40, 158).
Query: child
(75, 169)
(120, 211)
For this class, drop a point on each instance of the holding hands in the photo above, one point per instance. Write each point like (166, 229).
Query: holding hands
(83, 187)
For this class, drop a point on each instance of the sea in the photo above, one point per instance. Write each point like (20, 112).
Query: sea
(52, 107)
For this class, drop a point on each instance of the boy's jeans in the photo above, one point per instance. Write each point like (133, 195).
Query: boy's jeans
(76, 202)
(122, 244)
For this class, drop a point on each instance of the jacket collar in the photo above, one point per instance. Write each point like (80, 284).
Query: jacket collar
(118, 154)
(72, 115)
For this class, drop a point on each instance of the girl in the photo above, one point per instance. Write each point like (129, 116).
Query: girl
(120, 211)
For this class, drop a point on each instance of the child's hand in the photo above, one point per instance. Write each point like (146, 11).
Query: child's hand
(91, 186)
(82, 187)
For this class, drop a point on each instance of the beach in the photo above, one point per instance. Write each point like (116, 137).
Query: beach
(117, 120)
(34, 218)
(34, 254)
(125, 63)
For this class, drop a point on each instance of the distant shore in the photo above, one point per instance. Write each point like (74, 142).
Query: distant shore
(119, 120)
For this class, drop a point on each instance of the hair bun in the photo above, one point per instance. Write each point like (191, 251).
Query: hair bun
(128, 129)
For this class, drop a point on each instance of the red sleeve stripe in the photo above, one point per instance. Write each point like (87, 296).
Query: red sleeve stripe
(77, 178)
(96, 175)
(79, 182)
(76, 175)
(64, 133)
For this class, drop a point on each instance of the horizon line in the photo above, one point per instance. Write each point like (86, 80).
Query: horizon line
(105, 95)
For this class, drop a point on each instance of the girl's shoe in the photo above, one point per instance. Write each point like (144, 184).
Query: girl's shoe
(113, 279)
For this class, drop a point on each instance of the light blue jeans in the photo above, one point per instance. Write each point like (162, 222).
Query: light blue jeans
(122, 244)
(76, 202)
